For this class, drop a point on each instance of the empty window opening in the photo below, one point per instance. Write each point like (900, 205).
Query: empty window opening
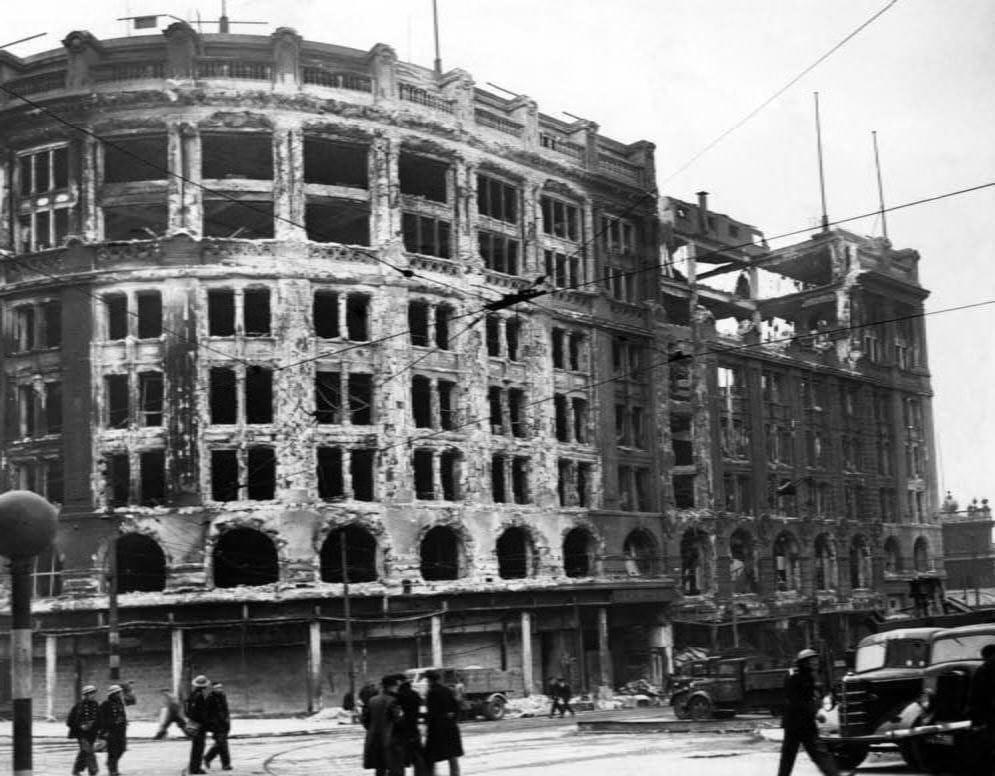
(358, 317)
(577, 553)
(499, 252)
(360, 399)
(331, 482)
(560, 219)
(25, 328)
(118, 480)
(557, 341)
(261, 474)
(514, 554)
(683, 490)
(28, 410)
(680, 440)
(328, 397)
(423, 177)
(258, 395)
(153, 478)
(44, 171)
(496, 410)
(135, 159)
(135, 222)
(149, 314)
(245, 556)
(520, 479)
(497, 199)
(325, 311)
(743, 562)
(150, 392)
(825, 563)
(512, 335)
(421, 401)
(493, 326)
(424, 477)
(141, 564)
(359, 550)
(256, 312)
(225, 485)
(562, 418)
(425, 235)
(516, 412)
(46, 574)
(53, 408)
(361, 469)
(221, 312)
(639, 550)
(584, 478)
(55, 481)
(418, 316)
(443, 315)
(579, 411)
(499, 485)
(447, 405)
(223, 396)
(786, 562)
(440, 555)
(236, 155)
(249, 219)
(562, 270)
(449, 474)
(337, 221)
(116, 393)
(335, 164)
(695, 572)
(860, 563)
(116, 307)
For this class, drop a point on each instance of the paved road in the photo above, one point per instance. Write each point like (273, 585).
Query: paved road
(528, 747)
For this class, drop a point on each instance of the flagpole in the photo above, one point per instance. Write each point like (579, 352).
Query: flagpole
(435, 24)
(877, 166)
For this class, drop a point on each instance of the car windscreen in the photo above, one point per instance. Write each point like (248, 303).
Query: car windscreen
(870, 657)
(947, 648)
(907, 653)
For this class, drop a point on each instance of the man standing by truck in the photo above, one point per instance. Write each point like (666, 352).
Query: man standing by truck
(803, 697)
(981, 706)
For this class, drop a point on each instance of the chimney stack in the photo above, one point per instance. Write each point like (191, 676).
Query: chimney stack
(703, 212)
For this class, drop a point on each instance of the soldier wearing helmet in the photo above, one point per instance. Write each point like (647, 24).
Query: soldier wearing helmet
(803, 698)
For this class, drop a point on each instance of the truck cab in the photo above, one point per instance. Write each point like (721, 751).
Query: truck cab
(877, 698)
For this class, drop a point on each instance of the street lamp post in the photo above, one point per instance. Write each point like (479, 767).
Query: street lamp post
(27, 527)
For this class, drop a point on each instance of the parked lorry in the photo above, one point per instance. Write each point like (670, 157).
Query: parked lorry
(481, 692)
(877, 699)
(941, 737)
(725, 686)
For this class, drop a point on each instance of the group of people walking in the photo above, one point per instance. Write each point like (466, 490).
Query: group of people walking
(99, 727)
(392, 720)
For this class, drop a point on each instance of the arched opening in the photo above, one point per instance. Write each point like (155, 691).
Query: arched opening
(743, 562)
(860, 563)
(440, 554)
(826, 576)
(245, 556)
(360, 549)
(640, 553)
(920, 554)
(46, 577)
(141, 564)
(695, 562)
(786, 565)
(577, 553)
(892, 556)
(514, 554)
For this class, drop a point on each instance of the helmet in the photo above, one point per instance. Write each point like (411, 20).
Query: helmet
(805, 654)
(201, 681)
(88, 689)
(114, 688)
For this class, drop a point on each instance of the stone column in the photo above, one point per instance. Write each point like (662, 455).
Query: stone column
(604, 655)
(51, 660)
(176, 657)
(437, 640)
(314, 702)
(527, 678)
(288, 183)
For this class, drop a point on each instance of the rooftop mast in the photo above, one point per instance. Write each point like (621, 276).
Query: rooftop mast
(822, 175)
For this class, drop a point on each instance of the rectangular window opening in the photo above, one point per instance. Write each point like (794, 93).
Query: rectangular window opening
(261, 475)
(53, 408)
(361, 399)
(357, 317)
(330, 163)
(116, 393)
(256, 312)
(150, 390)
(328, 397)
(361, 467)
(225, 483)
(424, 479)
(116, 308)
(258, 395)
(118, 480)
(423, 177)
(340, 221)
(153, 478)
(221, 312)
(128, 159)
(418, 313)
(236, 155)
(421, 401)
(449, 471)
(149, 314)
(223, 398)
(331, 484)
(325, 310)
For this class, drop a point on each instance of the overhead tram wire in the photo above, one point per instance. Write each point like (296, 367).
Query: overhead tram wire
(779, 92)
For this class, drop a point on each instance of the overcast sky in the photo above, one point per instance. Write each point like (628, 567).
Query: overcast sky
(681, 73)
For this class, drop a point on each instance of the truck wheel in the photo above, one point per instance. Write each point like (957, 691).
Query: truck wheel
(849, 756)
(699, 707)
(680, 705)
(493, 709)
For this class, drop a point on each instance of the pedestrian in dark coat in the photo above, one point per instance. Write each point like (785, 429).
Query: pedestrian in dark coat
(566, 693)
(219, 726)
(553, 691)
(442, 737)
(803, 699)
(82, 723)
(411, 701)
(199, 722)
(981, 706)
(384, 748)
(112, 726)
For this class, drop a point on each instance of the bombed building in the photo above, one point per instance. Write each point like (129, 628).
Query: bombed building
(801, 435)
(333, 360)
(266, 342)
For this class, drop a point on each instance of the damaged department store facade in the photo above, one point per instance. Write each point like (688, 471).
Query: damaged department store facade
(262, 344)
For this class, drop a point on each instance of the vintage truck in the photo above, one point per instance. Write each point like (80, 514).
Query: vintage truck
(482, 692)
(725, 686)
(877, 698)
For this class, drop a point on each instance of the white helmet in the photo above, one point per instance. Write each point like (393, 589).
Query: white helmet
(805, 654)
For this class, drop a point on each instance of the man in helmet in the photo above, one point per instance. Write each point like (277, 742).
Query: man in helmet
(803, 699)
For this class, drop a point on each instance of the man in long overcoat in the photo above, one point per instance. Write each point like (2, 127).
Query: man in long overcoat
(82, 723)
(803, 699)
(200, 721)
(442, 737)
(219, 726)
(112, 726)
(383, 750)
